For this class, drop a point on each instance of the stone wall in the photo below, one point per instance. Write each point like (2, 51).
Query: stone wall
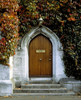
(5, 83)
(4, 72)
(71, 84)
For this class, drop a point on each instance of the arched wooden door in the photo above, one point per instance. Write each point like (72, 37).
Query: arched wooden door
(40, 57)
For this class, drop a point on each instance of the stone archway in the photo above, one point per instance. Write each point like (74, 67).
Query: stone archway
(22, 56)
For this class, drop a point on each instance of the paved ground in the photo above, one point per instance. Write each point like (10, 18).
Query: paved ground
(41, 98)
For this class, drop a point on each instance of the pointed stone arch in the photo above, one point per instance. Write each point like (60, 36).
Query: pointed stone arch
(57, 54)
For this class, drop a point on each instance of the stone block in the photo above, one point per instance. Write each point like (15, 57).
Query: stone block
(5, 88)
(5, 83)
(4, 72)
(71, 84)
(76, 85)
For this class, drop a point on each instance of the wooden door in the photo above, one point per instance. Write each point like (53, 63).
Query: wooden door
(40, 57)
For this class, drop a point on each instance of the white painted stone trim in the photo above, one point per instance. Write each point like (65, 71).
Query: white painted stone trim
(58, 66)
(11, 71)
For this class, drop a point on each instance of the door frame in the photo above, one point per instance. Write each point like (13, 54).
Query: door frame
(53, 57)
(56, 50)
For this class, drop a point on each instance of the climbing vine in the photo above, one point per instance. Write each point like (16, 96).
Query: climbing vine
(64, 18)
(8, 29)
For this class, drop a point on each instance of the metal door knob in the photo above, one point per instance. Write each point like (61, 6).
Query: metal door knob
(40, 59)
(49, 59)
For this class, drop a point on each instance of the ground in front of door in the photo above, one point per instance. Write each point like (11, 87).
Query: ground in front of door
(41, 98)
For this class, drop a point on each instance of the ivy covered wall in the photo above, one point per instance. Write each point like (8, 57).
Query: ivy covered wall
(62, 16)
(8, 29)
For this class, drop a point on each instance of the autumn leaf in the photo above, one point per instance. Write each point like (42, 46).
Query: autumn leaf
(71, 19)
(68, 10)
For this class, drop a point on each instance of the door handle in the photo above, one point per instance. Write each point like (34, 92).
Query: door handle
(40, 59)
(49, 59)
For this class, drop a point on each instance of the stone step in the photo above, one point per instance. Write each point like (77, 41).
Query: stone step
(36, 90)
(44, 94)
(40, 86)
(41, 82)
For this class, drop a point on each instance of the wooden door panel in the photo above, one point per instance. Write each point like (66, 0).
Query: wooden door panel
(40, 51)
(34, 68)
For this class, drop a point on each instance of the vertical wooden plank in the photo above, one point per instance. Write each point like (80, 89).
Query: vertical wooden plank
(33, 58)
(47, 59)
